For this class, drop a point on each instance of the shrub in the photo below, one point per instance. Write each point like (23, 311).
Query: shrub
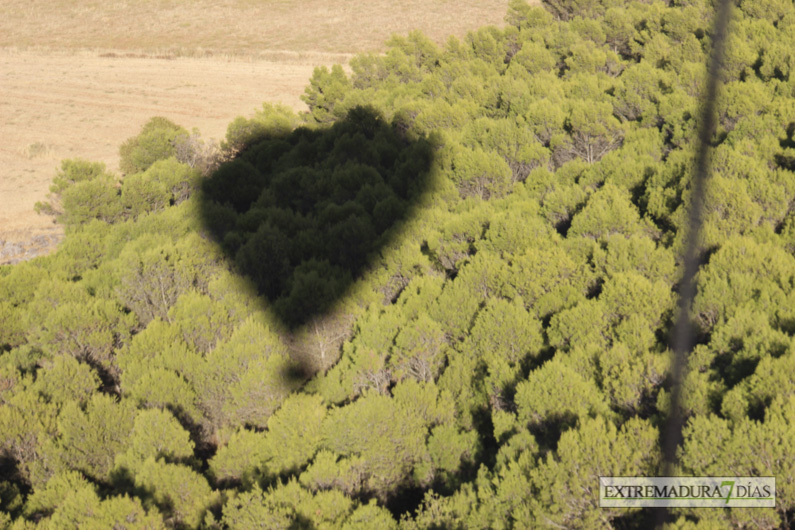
(156, 141)
(82, 191)
(270, 122)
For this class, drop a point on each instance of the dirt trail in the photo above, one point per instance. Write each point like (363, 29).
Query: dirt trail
(85, 105)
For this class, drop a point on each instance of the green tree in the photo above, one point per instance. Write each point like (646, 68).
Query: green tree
(480, 174)
(89, 441)
(386, 440)
(326, 91)
(564, 489)
(76, 504)
(82, 191)
(153, 273)
(63, 379)
(156, 433)
(268, 122)
(747, 448)
(418, 351)
(28, 424)
(609, 211)
(183, 495)
(156, 141)
(556, 395)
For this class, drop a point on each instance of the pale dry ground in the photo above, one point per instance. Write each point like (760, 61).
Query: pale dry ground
(78, 77)
(235, 26)
(57, 106)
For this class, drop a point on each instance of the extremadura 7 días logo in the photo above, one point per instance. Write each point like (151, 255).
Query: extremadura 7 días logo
(687, 492)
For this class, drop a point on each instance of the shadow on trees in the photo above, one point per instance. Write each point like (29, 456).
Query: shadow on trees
(302, 214)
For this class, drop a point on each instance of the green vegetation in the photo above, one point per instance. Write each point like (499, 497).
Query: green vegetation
(301, 210)
(157, 141)
(441, 298)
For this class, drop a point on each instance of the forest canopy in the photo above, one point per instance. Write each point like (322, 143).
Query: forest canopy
(441, 298)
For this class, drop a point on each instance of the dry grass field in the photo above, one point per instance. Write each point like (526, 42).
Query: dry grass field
(236, 26)
(78, 77)
(57, 106)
